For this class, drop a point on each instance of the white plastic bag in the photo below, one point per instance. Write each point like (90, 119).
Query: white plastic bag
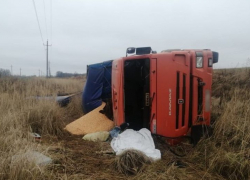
(98, 136)
(139, 140)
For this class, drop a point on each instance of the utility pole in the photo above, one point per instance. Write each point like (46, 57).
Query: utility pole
(47, 58)
(11, 70)
(49, 70)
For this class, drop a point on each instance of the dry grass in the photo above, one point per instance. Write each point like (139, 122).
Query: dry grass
(225, 155)
(19, 116)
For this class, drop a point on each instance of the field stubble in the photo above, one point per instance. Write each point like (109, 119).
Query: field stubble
(225, 155)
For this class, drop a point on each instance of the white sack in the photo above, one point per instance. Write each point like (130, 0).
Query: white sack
(139, 140)
(98, 136)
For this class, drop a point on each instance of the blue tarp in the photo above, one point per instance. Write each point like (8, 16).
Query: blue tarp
(98, 85)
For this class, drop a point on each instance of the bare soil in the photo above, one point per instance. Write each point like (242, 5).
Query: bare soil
(79, 159)
(82, 159)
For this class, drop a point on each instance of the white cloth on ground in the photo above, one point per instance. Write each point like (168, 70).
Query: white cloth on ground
(140, 140)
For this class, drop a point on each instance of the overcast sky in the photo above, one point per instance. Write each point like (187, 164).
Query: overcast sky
(91, 31)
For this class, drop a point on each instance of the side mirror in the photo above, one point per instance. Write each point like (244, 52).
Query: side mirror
(143, 50)
(215, 57)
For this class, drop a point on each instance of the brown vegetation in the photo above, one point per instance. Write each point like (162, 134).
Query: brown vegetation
(225, 155)
(131, 162)
(20, 115)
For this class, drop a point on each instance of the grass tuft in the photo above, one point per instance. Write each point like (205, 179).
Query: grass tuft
(131, 162)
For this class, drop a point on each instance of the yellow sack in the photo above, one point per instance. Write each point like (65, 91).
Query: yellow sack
(91, 122)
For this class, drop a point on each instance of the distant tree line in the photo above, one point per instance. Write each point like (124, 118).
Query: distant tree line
(61, 74)
(4, 72)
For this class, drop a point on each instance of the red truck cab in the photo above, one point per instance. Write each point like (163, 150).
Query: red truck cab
(167, 92)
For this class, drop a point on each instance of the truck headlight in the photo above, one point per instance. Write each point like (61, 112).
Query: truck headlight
(199, 62)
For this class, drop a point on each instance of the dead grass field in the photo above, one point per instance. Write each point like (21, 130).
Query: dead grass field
(225, 155)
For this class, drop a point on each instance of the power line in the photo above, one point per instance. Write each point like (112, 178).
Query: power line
(45, 19)
(51, 15)
(51, 20)
(38, 21)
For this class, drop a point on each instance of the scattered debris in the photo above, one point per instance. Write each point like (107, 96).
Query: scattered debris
(61, 100)
(93, 121)
(130, 162)
(98, 136)
(180, 164)
(124, 126)
(33, 156)
(36, 136)
(115, 131)
(139, 140)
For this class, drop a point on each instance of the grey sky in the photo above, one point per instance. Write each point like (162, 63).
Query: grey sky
(91, 31)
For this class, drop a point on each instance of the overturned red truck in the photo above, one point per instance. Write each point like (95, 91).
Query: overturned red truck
(169, 92)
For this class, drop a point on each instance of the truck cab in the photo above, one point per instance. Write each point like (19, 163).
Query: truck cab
(167, 92)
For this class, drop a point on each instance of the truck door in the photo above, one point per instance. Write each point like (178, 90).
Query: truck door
(173, 81)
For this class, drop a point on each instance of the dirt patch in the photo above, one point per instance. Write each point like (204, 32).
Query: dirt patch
(79, 159)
